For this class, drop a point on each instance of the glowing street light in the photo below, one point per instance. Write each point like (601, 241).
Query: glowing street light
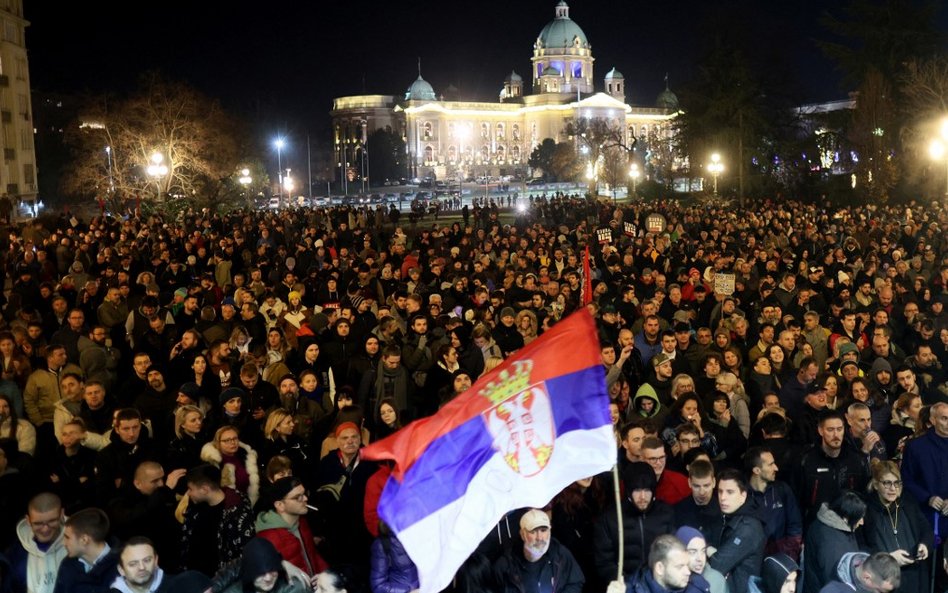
(715, 167)
(157, 169)
(279, 143)
(634, 174)
(938, 149)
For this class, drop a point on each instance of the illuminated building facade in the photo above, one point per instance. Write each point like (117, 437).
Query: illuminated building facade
(447, 139)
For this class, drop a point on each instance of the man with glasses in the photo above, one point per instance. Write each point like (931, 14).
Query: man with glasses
(672, 486)
(284, 524)
(39, 549)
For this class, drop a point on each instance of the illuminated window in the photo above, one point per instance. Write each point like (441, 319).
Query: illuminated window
(485, 130)
(426, 130)
(500, 131)
(429, 154)
(515, 130)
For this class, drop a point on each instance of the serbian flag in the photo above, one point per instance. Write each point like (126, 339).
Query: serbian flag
(516, 438)
(587, 289)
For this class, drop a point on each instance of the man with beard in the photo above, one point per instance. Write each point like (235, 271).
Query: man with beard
(668, 568)
(644, 519)
(139, 571)
(543, 565)
(98, 360)
(155, 403)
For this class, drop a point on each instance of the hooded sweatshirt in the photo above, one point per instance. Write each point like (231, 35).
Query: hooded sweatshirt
(32, 566)
(773, 574)
(646, 392)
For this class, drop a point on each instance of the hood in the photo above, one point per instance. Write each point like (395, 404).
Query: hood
(25, 535)
(831, 519)
(259, 557)
(270, 520)
(846, 568)
(646, 391)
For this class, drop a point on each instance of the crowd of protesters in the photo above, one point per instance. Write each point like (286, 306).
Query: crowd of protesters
(183, 401)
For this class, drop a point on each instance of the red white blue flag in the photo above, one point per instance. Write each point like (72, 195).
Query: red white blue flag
(516, 438)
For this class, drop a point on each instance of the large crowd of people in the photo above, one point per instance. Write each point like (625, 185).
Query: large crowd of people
(183, 401)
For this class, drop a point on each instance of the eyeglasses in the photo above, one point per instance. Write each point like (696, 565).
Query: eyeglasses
(299, 497)
(891, 483)
(230, 440)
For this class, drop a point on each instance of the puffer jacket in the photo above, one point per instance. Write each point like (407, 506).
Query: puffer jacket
(391, 570)
(34, 570)
(828, 539)
(295, 545)
(740, 546)
(641, 529)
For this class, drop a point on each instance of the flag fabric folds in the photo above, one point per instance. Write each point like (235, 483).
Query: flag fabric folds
(587, 290)
(515, 439)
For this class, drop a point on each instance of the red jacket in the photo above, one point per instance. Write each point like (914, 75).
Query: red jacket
(373, 492)
(290, 548)
(672, 487)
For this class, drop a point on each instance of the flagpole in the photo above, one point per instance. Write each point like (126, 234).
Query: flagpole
(615, 482)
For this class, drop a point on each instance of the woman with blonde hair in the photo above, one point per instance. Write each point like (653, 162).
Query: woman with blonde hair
(280, 438)
(236, 460)
(901, 427)
(681, 383)
(184, 450)
(895, 525)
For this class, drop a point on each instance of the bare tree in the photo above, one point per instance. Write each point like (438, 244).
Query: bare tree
(196, 139)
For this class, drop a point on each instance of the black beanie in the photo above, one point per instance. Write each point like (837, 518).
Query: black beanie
(775, 571)
(638, 476)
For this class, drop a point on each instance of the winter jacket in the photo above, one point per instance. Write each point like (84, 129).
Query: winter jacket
(24, 435)
(846, 580)
(235, 529)
(740, 543)
(925, 473)
(640, 530)
(781, 516)
(560, 569)
(211, 454)
(828, 539)
(42, 392)
(73, 578)
(391, 570)
(295, 544)
(33, 570)
(820, 478)
(911, 529)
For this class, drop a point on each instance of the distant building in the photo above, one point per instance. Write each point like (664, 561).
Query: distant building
(18, 173)
(446, 137)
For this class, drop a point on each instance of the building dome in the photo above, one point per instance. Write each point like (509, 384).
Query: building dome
(667, 100)
(614, 75)
(420, 90)
(562, 30)
(513, 77)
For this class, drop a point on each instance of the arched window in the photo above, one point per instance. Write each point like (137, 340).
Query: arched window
(485, 153)
(452, 153)
(501, 153)
(485, 130)
(515, 130)
(500, 131)
(515, 154)
(426, 130)
(429, 154)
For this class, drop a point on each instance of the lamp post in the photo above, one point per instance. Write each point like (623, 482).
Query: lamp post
(108, 152)
(245, 180)
(715, 167)
(157, 169)
(634, 175)
(938, 149)
(279, 143)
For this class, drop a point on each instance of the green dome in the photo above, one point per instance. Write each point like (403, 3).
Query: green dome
(420, 90)
(562, 30)
(614, 75)
(667, 100)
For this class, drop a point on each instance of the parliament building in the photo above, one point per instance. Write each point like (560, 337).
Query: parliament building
(451, 138)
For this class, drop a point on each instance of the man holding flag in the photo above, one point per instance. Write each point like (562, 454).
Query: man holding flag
(516, 438)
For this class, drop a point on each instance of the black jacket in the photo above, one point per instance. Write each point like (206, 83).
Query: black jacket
(832, 537)
(641, 529)
(559, 568)
(911, 529)
(739, 540)
(820, 478)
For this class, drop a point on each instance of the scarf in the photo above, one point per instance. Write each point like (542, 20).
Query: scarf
(393, 384)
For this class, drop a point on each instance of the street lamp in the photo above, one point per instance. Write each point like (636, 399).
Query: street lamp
(245, 180)
(715, 167)
(279, 143)
(108, 152)
(634, 175)
(157, 169)
(938, 149)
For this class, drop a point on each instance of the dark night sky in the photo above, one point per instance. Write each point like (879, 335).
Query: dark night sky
(280, 63)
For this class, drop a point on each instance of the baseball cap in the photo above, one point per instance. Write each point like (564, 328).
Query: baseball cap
(660, 359)
(533, 519)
